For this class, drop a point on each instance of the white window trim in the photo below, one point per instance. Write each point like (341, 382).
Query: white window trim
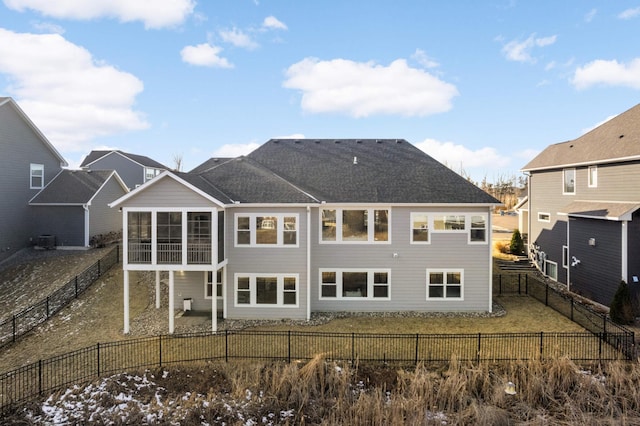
(544, 220)
(445, 271)
(564, 183)
(486, 230)
(370, 229)
(565, 257)
(252, 229)
(370, 283)
(432, 217)
(33, 167)
(592, 183)
(253, 290)
(428, 228)
(546, 272)
(206, 282)
(467, 226)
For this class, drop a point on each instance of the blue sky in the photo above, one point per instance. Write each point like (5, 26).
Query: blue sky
(480, 85)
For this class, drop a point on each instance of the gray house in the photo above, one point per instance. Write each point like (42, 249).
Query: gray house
(28, 161)
(582, 209)
(133, 169)
(302, 226)
(73, 208)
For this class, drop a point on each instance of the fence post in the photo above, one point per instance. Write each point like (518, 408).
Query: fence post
(226, 346)
(546, 294)
(600, 346)
(353, 348)
(571, 309)
(98, 358)
(40, 377)
(417, 344)
(14, 327)
(541, 343)
(479, 344)
(160, 350)
(76, 284)
(289, 346)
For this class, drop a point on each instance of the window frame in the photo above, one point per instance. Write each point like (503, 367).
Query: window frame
(371, 283)
(412, 229)
(371, 225)
(565, 257)
(445, 271)
(546, 269)
(547, 220)
(564, 181)
(35, 167)
(281, 229)
(592, 176)
(208, 285)
(253, 291)
(485, 228)
(467, 225)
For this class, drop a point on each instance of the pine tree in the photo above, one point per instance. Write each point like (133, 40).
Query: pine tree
(517, 245)
(621, 309)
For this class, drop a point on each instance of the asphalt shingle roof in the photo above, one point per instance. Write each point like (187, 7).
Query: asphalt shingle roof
(72, 187)
(618, 138)
(141, 159)
(341, 171)
(209, 164)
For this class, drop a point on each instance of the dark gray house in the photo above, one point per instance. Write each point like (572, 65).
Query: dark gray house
(133, 169)
(302, 226)
(582, 207)
(28, 162)
(73, 207)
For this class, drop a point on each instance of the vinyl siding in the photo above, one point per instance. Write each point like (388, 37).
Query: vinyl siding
(633, 259)
(616, 182)
(167, 193)
(66, 223)
(268, 260)
(599, 272)
(190, 284)
(19, 147)
(131, 173)
(409, 268)
(102, 218)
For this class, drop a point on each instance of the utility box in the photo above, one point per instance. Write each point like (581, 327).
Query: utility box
(47, 241)
(186, 304)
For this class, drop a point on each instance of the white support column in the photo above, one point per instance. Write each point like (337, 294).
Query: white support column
(214, 302)
(171, 309)
(490, 243)
(214, 276)
(625, 251)
(224, 292)
(126, 301)
(308, 289)
(157, 289)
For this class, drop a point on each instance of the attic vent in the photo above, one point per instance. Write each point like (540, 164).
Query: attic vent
(337, 141)
(296, 141)
(276, 141)
(355, 160)
(398, 141)
(621, 136)
(358, 141)
(571, 146)
(378, 141)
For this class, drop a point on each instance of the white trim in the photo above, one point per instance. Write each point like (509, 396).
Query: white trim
(87, 216)
(370, 283)
(548, 220)
(487, 231)
(280, 291)
(214, 287)
(36, 167)
(625, 251)
(412, 229)
(592, 183)
(280, 229)
(370, 229)
(565, 254)
(445, 271)
(546, 273)
(583, 163)
(308, 242)
(564, 184)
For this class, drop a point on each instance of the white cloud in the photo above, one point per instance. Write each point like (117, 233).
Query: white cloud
(590, 15)
(204, 55)
(271, 22)
(292, 136)
(459, 156)
(361, 89)
(47, 27)
(69, 95)
(238, 38)
(421, 57)
(608, 73)
(520, 51)
(630, 13)
(527, 154)
(235, 150)
(154, 14)
(551, 65)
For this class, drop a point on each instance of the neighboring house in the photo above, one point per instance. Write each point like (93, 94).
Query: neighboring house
(302, 226)
(133, 169)
(28, 162)
(73, 208)
(583, 206)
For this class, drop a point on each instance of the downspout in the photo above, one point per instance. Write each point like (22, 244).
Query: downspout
(86, 224)
(489, 230)
(308, 263)
(568, 251)
(625, 251)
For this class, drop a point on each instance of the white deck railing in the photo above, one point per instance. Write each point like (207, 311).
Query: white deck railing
(169, 253)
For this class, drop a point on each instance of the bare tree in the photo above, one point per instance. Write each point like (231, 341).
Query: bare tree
(177, 162)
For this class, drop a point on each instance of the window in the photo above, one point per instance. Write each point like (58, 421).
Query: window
(565, 256)
(478, 232)
(449, 223)
(266, 229)
(544, 217)
(139, 237)
(267, 290)
(593, 176)
(569, 181)
(150, 173)
(169, 237)
(551, 269)
(355, 284)
(209, 284)
(444, 284)
(36, 176)
(419, 228)
(354, 225)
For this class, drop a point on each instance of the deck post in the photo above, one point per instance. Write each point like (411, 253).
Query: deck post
(126, 301)
(171, 300)
(157, 289)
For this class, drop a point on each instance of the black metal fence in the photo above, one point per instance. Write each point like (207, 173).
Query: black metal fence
(81, 366)
(596, 322)
(23, 322)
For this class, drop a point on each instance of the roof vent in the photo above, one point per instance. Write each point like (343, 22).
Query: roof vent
(337, 141)
(621, 136)
(358, 141)
(296, 141)
(355, 160)
(276, 141)
(398, 141)
(378, 141)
